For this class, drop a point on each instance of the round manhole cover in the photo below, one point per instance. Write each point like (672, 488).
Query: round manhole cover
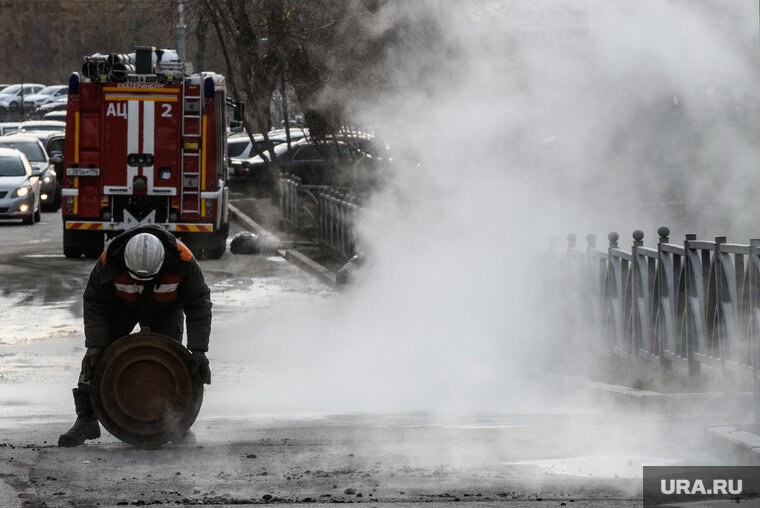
(142, 391)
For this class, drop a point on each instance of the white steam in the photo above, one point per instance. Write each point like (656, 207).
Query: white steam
(539, 119)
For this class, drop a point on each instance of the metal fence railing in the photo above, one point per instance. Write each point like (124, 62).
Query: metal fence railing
(329, 210)
(693, 304)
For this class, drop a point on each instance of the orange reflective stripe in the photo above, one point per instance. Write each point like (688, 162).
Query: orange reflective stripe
(167, 289)
(130, 297)
(124, 278)
(165, 297)
(125, 281)
(127, 288)
(172, 278)
(184, 252)
(103, 257)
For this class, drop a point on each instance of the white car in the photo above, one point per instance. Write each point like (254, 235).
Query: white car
(42, 168)
(8, 128)
(11, 97)
(240, 148)
(47, 94)
(59, 116)
(19, 189)
(41, 125)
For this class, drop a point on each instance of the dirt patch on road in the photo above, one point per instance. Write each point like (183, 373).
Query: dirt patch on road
(335, 460)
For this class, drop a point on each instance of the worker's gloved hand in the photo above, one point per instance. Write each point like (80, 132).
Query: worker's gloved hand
(90, 361)
(199, 366)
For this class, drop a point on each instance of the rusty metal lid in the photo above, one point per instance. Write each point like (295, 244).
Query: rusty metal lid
(142, 391)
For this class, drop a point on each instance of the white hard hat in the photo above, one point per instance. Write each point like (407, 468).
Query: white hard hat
(144, 255)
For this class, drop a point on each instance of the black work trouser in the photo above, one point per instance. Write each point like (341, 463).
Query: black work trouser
(170, 324)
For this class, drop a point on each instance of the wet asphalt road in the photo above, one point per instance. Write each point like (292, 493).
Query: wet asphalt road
(255, 446)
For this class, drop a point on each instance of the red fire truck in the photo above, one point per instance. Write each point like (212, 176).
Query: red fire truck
(145, 143)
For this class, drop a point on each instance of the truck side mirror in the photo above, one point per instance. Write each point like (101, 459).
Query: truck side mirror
(239, 114)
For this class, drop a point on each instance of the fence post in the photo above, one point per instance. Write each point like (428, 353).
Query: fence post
(613, 270)
(636, 291)
(721, 330)
(343, 203)
(591, 281)
(571, 239)
(754, 323)
(692, 292)
(352, 230)
(572, 306)
(666, 296)
(297, 204)
(281, 184)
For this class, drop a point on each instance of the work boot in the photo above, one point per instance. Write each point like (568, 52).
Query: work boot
(86, 425)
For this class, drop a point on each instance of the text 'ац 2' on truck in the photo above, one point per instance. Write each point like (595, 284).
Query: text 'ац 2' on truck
(145, 144)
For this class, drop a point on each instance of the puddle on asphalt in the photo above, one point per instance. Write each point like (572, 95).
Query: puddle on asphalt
(264, 293)
(597, 466)
(25, 321)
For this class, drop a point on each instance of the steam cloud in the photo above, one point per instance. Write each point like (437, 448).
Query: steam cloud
(533, 119)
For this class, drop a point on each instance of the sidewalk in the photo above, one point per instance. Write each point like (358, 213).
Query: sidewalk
(729, 433)
(272, 242)
(738, 444)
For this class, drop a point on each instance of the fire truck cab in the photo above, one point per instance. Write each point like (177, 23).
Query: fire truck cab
(145, 143)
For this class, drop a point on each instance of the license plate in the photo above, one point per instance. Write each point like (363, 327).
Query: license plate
(82, 171)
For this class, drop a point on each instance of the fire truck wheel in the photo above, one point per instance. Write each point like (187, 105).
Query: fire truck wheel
(92, 252)
(76, 243)
(71, 247)
(205, 246)
(72, 252)
(219, 245)
(58, 198)
(95, 246)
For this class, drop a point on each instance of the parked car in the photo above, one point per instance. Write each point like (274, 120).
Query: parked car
(280, 135)
(34, 150)
(56, 105)
(240, 148)
(55, 146)
(41, 125)
(8, 128)
(19, 189)
(11, 97)
(59, 116)
(305, 158)
(47, 94)
(239, 145)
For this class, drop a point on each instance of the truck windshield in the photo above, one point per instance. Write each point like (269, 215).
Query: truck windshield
(33, 151)
(11, 166)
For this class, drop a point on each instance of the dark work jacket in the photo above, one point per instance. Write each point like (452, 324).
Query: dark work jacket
(112, 298)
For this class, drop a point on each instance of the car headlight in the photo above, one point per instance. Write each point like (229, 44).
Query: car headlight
(47, 179)
(21, 192)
